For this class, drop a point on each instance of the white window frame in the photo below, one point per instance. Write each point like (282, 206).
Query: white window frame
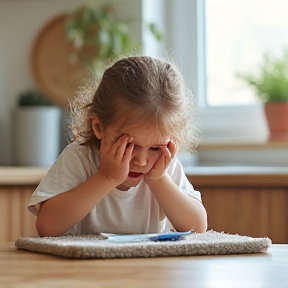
(182, 24)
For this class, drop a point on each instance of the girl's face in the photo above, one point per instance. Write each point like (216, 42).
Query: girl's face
(147, 149)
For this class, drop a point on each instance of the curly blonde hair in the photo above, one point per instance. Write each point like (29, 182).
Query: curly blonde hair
(153, 90)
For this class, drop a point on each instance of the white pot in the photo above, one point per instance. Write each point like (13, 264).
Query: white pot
(36, 135)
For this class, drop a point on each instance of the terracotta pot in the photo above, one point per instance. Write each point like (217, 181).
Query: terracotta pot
(277, 120)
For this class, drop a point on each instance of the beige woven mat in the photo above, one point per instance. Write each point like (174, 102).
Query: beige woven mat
(94, 246)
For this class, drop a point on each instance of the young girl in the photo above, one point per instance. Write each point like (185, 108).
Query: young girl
(120, 174)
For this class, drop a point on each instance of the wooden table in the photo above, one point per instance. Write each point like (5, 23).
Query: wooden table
(19, 268)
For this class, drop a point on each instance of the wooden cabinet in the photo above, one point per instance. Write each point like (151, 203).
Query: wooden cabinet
(16, 188)
(15, 220)
(247, 204)
(254, 204)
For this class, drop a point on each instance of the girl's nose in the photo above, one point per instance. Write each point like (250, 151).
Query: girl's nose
(139, 158)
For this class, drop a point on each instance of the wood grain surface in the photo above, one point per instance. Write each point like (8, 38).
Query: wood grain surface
(20, 268)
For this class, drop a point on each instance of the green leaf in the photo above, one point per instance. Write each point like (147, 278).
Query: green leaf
(155, 31)
(96, 27)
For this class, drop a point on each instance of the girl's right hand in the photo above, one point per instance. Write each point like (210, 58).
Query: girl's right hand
(115, 158)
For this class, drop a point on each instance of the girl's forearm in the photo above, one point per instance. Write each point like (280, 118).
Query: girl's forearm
(60, 213)
(183, 211)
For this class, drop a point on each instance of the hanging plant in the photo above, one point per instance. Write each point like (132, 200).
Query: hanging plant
(98, 35)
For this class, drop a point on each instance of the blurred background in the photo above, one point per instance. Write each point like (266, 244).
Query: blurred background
(23, 67)
(211, 41)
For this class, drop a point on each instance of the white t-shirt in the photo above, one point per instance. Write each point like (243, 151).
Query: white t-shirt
(133, 211)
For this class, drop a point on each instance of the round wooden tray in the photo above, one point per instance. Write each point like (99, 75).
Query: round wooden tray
(53, 72)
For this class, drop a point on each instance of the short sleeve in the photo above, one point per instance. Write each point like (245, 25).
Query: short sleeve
(70, 169)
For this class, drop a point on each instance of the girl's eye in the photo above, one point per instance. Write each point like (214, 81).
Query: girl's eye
(155, 148)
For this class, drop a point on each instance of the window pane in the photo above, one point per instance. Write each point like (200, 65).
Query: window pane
(238, 33)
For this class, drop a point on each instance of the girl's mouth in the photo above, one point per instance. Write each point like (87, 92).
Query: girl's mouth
(134, 174)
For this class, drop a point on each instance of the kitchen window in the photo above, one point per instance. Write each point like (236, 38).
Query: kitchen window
(232, 118)
(213, 40)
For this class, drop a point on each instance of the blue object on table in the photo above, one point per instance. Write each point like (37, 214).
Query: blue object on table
(171, 236)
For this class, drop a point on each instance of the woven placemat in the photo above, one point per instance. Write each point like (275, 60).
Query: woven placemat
(96, 246)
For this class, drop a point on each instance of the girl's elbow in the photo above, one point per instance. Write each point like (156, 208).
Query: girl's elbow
(202, 227)
(41, 228)
(202, 223)
(44, 229)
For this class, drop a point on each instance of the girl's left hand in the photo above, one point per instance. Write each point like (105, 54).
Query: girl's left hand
(167, 154)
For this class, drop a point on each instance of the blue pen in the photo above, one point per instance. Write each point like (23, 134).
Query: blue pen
(172, 236)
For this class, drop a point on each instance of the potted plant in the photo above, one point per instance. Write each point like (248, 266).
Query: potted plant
(36, 130)
(271, 87)
(99, 35)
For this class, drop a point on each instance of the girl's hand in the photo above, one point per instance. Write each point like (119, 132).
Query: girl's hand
(115, 158)
(158, 169)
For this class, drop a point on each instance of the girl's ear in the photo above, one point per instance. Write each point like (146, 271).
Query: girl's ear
(96, 125)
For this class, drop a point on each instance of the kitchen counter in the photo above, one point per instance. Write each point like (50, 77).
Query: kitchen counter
(24, 175)
(239, 176)
(21, 175)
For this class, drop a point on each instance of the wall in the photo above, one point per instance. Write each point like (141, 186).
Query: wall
(20, 20)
